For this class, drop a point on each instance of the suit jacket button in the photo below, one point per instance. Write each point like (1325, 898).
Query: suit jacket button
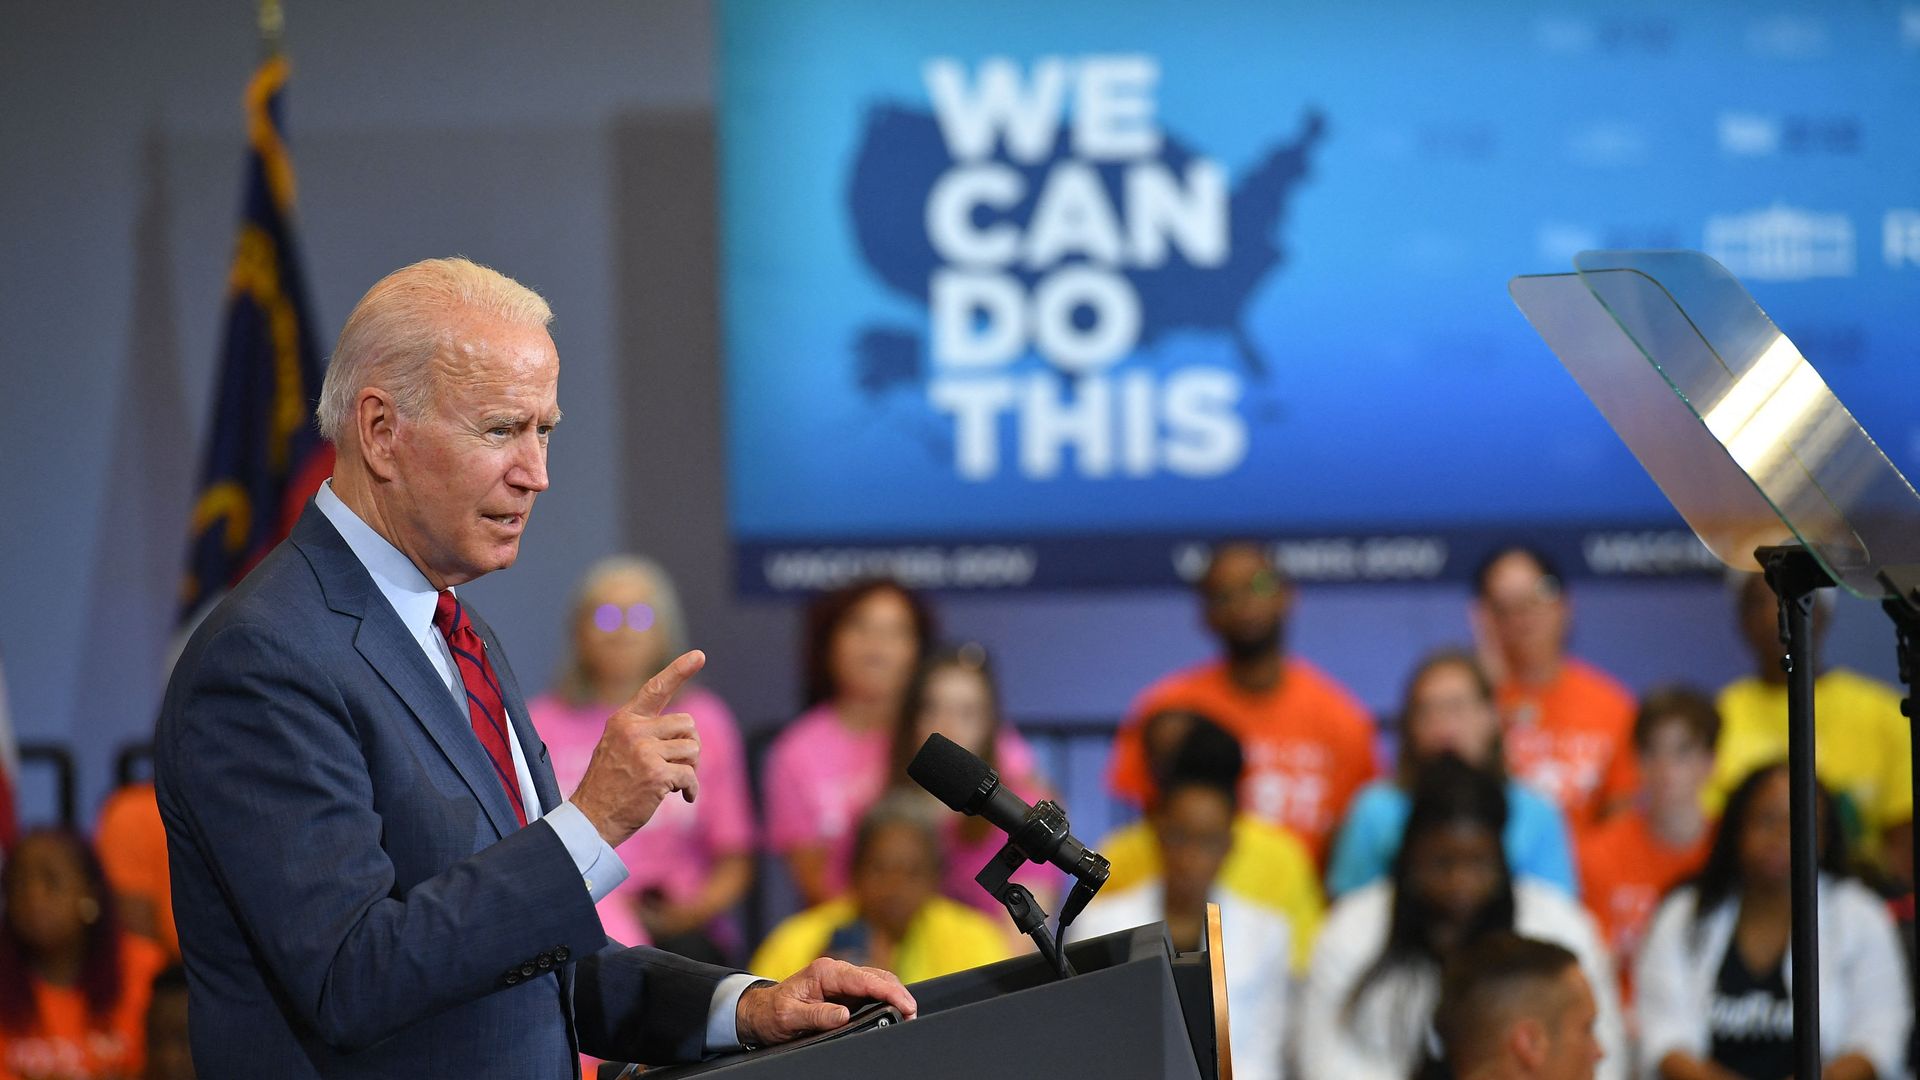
(561, 954)
(527, 970)
(546, 962)
(513, 978)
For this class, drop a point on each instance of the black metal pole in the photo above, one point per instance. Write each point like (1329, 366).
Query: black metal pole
(1795, 576)
(1902, 605)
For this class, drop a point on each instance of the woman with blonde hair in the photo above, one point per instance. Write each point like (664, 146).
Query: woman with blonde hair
(694, 861)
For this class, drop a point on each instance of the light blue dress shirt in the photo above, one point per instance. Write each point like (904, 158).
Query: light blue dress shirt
(414, 599)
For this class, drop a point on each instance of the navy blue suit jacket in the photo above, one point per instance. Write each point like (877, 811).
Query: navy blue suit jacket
(353, 894)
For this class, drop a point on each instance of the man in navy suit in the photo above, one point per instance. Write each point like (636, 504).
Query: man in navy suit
(374, 873)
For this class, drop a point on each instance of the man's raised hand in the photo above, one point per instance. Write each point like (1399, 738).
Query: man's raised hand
(644, 755)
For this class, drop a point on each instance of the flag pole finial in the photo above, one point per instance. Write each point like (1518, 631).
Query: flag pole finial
(272, 22)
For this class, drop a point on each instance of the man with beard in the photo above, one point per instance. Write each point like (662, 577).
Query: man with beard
(1308, 741)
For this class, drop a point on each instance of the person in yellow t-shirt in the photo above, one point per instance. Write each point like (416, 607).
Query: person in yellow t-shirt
(893, 917)
(1267, 865)
(1862, 745)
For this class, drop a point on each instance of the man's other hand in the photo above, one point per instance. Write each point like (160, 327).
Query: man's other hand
(644, 755)
(816, 999)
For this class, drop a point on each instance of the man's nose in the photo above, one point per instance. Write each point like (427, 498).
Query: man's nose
(529, 470)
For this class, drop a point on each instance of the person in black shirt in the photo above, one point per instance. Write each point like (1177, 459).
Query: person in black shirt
(1713, 976)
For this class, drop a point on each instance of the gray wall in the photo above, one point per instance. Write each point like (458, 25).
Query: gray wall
(570, 144)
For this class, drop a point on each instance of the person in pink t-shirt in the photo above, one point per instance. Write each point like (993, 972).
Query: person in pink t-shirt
(830, 764)
(953, 693)
(693, 861)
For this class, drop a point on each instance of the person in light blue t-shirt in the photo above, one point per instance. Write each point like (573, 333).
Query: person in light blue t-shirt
(1448, 709)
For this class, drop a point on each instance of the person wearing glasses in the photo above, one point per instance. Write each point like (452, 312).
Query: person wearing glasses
(1569, 725)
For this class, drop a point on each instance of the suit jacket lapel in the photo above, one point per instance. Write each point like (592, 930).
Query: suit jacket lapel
(395, 654)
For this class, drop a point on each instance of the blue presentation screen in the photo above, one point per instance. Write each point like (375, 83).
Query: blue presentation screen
(1051, 295)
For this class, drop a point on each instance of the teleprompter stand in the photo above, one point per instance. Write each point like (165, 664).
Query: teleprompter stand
(1766, 466)
(1902, 605)
(1795, 576)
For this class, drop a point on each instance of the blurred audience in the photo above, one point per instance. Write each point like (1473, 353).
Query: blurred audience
(1448, 709)
(1370, 994)
(894, 916)
(1712, 980)
(694, 861)
(1254, 770)
(1309, 743)
(830, 764)
(1192, 823)
(1266, 864)
(169, 1053)
(1568, 724)
(73, 987)
(132, 844)
(1631, 860)
(1862, 744)
(1514, 1008)
(953, 694)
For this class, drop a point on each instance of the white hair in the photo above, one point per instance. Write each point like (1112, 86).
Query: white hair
(573, 684)
(396, 329)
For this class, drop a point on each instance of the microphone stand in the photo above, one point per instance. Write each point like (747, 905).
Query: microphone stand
(996, 878)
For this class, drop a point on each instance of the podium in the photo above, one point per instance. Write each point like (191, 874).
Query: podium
(1134, 1009)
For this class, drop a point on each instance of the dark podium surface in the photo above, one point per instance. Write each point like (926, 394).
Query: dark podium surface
(1134, 1010)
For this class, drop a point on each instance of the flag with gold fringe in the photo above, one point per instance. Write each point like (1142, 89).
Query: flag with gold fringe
(264, 458)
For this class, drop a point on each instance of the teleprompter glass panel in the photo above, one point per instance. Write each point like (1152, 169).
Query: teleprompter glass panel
(1766, 404)
(1692, 469)
(1720, 407)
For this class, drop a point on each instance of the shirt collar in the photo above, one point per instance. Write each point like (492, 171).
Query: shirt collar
(405, 587)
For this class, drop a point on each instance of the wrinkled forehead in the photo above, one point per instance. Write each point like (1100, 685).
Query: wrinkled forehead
(474, 345)
(493, 366)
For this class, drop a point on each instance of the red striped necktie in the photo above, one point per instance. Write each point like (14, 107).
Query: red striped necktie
(486, 705)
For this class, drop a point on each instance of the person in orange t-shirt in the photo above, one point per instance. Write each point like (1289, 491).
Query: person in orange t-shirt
(132, 843)
(73, 987)
(1568, 724)
(1308, 741)
(1630, 861)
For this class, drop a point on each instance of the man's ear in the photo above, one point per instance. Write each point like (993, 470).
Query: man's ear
(374, 421)
(1528, 1041)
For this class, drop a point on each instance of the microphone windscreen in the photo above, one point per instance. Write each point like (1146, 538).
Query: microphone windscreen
(949, 772)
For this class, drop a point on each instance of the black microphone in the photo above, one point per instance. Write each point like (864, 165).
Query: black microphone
(960, 779)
